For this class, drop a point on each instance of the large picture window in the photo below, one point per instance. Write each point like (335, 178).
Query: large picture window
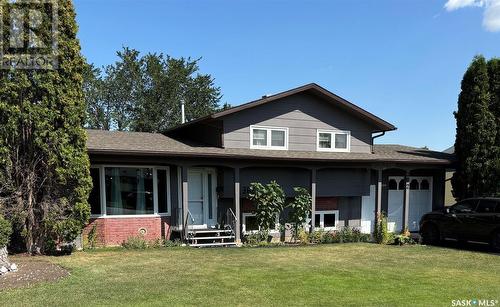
(268, 138)
(129, 191)
(328, 140)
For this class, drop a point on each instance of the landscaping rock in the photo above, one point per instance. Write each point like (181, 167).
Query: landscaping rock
(4, 261)
(13, 267)
(3, 270)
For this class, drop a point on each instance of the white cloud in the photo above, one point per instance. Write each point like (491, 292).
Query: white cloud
(491, 17)
(491, 20)
(452, 5)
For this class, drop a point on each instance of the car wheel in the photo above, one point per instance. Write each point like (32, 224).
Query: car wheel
(430, 235)
(495, 241)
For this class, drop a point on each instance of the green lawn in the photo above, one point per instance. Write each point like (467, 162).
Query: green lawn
(325, 275)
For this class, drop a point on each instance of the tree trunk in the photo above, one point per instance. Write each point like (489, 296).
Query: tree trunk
(30, 219)
(4, 260)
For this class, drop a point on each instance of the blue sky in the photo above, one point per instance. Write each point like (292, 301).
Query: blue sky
(401, 60)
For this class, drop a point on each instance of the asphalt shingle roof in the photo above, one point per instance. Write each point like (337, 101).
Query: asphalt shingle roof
(141, 143)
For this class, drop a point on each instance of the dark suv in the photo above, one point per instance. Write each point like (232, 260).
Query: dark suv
(474, 219)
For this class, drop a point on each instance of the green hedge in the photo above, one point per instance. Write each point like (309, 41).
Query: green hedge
(5, 231)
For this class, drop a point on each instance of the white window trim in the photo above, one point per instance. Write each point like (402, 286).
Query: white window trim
(269, 140)
(333, 133)
(155, 213)
(322, 219)
(243, 224)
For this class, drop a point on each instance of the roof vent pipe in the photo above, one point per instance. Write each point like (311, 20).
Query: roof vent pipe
(183, 112)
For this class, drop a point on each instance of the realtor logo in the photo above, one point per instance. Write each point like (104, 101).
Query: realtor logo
(28, 34)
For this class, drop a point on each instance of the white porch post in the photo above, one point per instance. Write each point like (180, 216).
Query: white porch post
(406, 207)
(378, 202)
(237, 231)
(185, 200)
(313, 196)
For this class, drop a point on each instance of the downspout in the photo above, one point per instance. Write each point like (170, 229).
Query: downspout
(376, 136)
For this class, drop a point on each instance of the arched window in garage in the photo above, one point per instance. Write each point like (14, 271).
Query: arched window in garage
(414, 184)
(424, 185)
(393, 185)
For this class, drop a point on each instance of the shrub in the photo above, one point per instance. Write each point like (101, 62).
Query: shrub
(170, 243)
(5, 231)
(331, 237)
(316, 236)
(404, 238)
(353, 235)
(135, 242)
(303, 237)
(269, 201)
(92, 236)
(381, 235)
(300, 208)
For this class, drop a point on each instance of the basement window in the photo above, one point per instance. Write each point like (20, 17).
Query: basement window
(327, 220)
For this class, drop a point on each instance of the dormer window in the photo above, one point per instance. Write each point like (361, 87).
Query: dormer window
(268, 138)
(332, 140)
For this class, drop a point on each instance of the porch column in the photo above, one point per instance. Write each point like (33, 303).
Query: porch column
(378, 201)
(185, 200)
(313, 200)
(406, 207)
(237, 204)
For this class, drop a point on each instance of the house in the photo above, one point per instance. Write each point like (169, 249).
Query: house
(194, 179)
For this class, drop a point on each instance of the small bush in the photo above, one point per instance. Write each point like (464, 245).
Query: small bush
(404, 238)
(330, 237)
(303, 237)
(170, 243)
(5, 231)
(92, 236)
(136, 242)
(381, 234)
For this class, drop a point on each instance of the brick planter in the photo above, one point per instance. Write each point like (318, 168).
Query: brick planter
(112, 231)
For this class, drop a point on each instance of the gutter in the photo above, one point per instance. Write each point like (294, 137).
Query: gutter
(374, 137)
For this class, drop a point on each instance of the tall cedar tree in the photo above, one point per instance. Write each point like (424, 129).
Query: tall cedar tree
(475, 134)
(145, 93)
(44, 169)
(494, 80)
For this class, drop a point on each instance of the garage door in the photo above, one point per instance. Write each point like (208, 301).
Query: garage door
(420, 201)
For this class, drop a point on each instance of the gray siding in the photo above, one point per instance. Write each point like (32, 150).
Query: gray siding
(343, 182)
(303, 114)
(287, 178)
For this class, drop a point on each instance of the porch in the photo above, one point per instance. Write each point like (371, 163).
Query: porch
(206, 203)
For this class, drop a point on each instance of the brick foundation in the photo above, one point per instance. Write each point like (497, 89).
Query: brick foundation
(114, 231)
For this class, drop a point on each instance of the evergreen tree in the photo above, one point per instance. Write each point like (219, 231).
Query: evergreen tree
(494, 82)
(44, 167)
(475, 134)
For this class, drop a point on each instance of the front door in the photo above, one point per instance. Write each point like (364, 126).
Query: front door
(202, 202)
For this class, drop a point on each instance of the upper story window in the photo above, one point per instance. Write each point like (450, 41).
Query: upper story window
(268, 137)
(329, 140)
